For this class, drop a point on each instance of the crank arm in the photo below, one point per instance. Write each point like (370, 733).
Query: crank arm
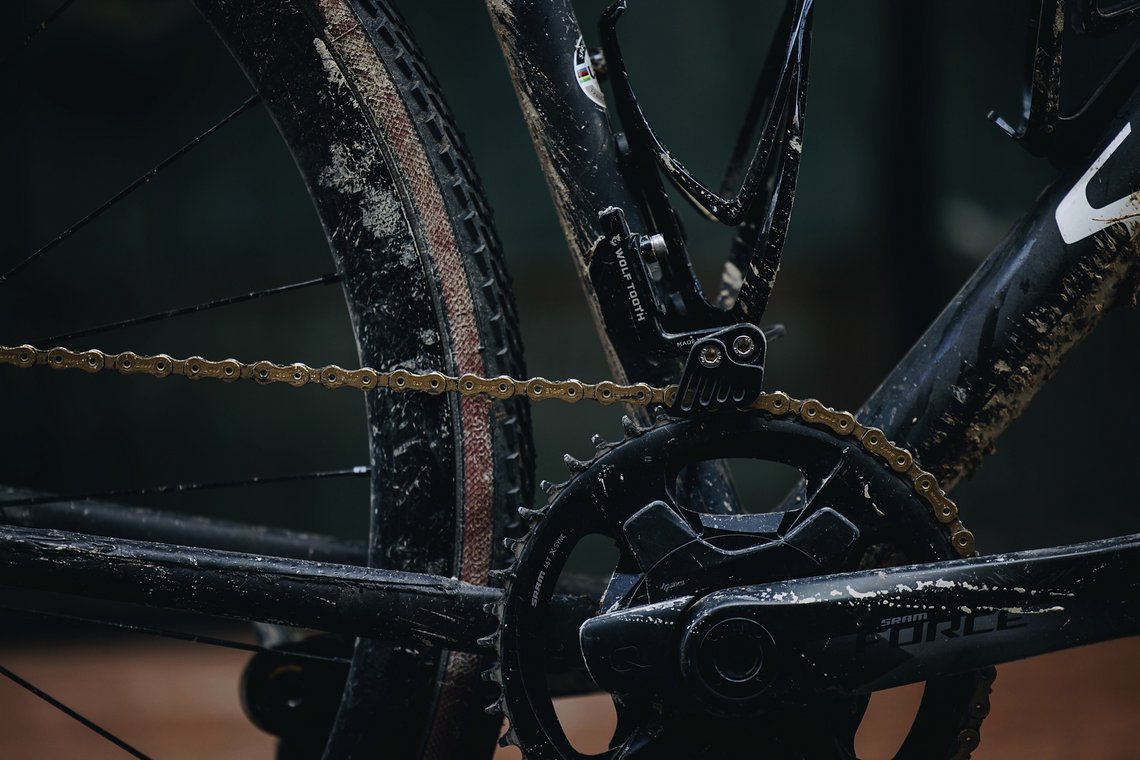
(742, 648)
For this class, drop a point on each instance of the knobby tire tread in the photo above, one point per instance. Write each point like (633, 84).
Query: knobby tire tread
(369, 130)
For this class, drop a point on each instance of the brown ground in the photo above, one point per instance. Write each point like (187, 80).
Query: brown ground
(176, 700)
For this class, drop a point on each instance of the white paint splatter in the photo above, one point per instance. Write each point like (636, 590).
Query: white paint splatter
(861, 595)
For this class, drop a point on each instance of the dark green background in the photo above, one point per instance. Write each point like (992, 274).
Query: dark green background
(905, 187)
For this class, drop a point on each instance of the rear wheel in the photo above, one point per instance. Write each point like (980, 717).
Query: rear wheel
(412, 240)
(410, 230)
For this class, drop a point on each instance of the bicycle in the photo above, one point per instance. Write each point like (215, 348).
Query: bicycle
(367, 80)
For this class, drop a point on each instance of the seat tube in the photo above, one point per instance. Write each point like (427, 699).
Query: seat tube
(565, 112)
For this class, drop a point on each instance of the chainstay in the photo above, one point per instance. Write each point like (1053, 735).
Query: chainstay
(298, 374)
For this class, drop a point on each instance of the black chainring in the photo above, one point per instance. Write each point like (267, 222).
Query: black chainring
(841, 478)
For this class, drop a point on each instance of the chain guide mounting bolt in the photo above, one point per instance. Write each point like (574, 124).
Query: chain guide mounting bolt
(743, 346)
(653, 247)
(710, 356)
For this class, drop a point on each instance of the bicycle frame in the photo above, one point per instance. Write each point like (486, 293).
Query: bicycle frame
(1067, 261)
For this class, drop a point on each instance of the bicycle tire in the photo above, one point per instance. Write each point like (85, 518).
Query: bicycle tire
(411, 233)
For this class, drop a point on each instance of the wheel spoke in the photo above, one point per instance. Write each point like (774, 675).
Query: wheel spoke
(39, 29)
(325, 279)
(349, 472)
(144, 179)
(166, 633)
(72, 713)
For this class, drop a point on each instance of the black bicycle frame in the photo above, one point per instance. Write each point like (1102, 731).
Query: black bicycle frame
(1070, 259)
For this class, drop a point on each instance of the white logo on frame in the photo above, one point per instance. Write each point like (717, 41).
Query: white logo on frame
(1077, 219)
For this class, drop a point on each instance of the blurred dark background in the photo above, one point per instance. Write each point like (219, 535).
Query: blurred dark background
(905, 188)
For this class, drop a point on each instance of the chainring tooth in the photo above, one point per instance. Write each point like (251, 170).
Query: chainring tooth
(576, 465)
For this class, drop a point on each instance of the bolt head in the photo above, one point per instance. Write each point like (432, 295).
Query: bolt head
(709, 356)
(744, 346)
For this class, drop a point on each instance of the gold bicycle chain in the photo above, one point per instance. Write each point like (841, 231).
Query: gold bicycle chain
(503, 387)
(776, 403)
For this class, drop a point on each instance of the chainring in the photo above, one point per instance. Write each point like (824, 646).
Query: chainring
(841, 476)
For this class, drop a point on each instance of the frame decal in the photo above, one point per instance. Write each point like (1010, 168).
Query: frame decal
(584, 74)
(1077, 219)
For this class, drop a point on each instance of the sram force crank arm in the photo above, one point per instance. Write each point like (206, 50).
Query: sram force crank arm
(741, 648)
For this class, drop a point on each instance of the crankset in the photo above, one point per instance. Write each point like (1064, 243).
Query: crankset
(715, 688)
